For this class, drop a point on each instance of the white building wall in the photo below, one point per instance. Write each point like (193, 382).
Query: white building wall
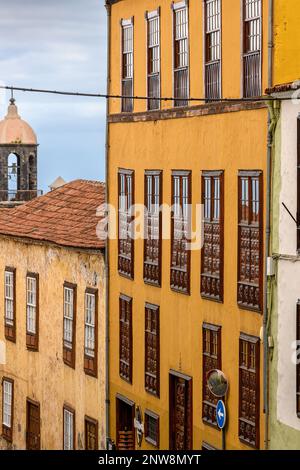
(288, 276)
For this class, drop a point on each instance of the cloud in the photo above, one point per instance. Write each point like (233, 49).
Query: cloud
(58, 45)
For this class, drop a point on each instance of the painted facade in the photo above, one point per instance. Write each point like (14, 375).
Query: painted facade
(284, 412)
(44, 383)
(198, 138)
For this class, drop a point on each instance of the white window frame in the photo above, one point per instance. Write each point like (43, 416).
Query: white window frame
(31, 304)
(9, 298)
(68, 317)
(90, 325)
(7, 403)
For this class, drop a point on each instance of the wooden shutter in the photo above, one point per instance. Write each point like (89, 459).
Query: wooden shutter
(212, 252)
(249, 390)
(152, 349)
(153, 228)
(125, 234)
(250, 240)
(91, 434)
(180, 231)
(125, 338)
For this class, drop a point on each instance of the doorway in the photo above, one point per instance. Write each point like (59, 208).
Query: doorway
(181, 412)
(33, 426)
(125, 412)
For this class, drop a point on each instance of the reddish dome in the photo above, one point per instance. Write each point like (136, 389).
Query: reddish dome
(13, 130)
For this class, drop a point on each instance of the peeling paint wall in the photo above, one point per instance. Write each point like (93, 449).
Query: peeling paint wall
(42, 376)
(285, 425)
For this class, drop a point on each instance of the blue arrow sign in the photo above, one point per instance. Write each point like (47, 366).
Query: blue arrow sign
(221, 414)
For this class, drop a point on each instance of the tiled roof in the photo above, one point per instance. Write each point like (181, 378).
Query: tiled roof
(66, 216)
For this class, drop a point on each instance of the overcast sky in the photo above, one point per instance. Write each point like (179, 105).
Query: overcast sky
(58, 44)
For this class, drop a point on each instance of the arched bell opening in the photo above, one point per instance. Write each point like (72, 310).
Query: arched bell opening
(13, 176)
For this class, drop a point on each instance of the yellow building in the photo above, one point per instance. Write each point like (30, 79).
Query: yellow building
(284, 317)
(52, 294)
(175, 313)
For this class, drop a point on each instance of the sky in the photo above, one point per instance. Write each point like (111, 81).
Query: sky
(60, 45)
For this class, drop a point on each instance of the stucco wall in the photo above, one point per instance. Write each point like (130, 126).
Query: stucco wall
(231, 49)
(231, 142)
(42, 376)
(284, 422)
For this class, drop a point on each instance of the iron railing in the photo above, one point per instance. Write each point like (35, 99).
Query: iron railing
(213, 80)
(252, 75)
(181, 88)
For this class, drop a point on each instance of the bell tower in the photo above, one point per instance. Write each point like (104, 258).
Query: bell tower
(18, 159)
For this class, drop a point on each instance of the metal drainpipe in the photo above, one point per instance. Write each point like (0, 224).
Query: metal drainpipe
(268, 231)
(107, 391)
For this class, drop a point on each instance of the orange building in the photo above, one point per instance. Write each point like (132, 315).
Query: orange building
(52, 291)
(177, 313)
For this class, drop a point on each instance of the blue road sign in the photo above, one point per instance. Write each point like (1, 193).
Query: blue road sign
(221, 414)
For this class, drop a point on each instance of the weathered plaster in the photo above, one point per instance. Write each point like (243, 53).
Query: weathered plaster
(284, 424)
(42, 375)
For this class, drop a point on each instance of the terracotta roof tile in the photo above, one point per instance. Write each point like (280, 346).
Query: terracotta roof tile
(65, 216)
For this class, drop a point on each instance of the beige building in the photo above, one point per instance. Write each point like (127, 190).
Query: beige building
(52, 291)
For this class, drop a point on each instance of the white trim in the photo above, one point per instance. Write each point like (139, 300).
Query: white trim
(128, 22)
(149, 15)
(179, 5)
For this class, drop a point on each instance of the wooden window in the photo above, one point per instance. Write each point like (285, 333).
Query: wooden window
(126, 230)
(152, 352)
(32, 311)
(252, 47)
(33, 425)
(181, 53)
(127, 65)
(91, 433)
(10, 304)
(298, 183)
(212, 253)
(126, 338)
(7, 408)
(211, 360)
(91, 332)
(249, 390)
(125, 414)
(153, 227)
(180, 231)
(69, 336)
(250, 240)
(152, 428)
(298, 363)
(69, 428)
(153, 59)
(212, 10)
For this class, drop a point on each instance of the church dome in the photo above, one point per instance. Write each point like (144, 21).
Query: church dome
(13, 130)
